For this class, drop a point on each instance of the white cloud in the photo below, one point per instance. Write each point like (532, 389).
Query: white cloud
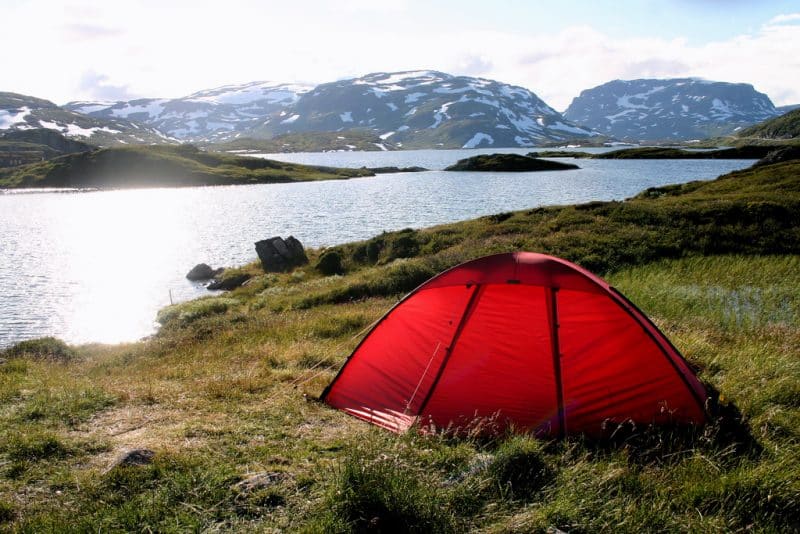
(780, 19)
(173, 48)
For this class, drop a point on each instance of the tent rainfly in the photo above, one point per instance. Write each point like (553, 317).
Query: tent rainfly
(524, 340)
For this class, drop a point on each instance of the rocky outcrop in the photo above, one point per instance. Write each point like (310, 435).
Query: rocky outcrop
(227, 283)
(202, 271)
(508, 163)
(278, 255)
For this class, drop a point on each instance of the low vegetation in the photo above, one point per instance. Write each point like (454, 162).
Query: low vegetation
(508, 163)
(656, 152)
(226, 390)
(787, 126)
(163, 166)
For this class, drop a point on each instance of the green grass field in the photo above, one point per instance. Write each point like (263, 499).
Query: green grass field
(227, 389)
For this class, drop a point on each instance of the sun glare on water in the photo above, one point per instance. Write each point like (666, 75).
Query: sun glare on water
(113, 251)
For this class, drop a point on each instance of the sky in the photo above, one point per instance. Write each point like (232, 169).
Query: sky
(125, 49)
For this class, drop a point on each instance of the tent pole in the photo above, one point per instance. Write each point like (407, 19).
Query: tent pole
(473, 299)
(552, 293)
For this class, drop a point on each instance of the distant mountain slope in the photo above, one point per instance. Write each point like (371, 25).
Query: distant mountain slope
(21, 112)
(19, 147)
(786, 109)
(418, 109)
(219, 114)
(421, 109)
(786, 126)
(674, 109)
(344, 141)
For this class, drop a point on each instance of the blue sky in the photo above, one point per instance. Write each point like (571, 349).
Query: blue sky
(85, 50)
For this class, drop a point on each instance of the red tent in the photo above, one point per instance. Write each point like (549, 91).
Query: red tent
(526, 339)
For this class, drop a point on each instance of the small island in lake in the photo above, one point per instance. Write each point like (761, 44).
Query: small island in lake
(508, 163)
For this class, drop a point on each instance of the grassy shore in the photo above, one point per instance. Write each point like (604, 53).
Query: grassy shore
(162, 166)
(227, 387)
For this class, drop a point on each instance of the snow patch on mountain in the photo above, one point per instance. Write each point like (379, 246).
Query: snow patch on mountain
(9, 118)
(477, 139)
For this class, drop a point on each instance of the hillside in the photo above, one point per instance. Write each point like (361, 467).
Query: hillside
(162, 166)
(786, 126)
(346, 140)
(223, 394)
(20, 147)
(679, 109)
(21, 112)
(416, 109)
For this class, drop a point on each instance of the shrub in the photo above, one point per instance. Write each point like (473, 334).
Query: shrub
(381, 493)
(519, 468)
(45, 348)
(330, 263)
(188, 312)
(35, 445)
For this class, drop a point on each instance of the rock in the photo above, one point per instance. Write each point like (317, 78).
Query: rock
(202, 271)
(229, 282)
(279, 255)
(259, 481)
(508, 163)
(132, 458)
(3, 361)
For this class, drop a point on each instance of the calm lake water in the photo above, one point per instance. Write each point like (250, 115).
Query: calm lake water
(96, 266)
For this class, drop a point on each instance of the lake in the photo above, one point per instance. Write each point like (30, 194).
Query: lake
(96, 266)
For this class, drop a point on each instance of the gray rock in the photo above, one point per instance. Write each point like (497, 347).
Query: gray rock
(202, 271)
(259, 481)
(133, 458)
(229, 282)
(279, 255)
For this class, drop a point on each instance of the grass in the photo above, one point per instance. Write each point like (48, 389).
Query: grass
(226, 390)
(163, 166)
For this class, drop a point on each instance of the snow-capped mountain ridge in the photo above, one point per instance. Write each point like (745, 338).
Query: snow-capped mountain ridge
(677, 109)
(217, 114)
(21, 112)
(422, 108)
(431, 108)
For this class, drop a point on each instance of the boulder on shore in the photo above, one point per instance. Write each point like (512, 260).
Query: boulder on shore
(202, 271)
(278, 255)
(226, 283)
(508, 163)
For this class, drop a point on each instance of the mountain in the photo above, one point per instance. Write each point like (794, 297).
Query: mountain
(675, 109)
(416, 109)
(423, 109)
(21, 112)
(219, 114)
(786, 126)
